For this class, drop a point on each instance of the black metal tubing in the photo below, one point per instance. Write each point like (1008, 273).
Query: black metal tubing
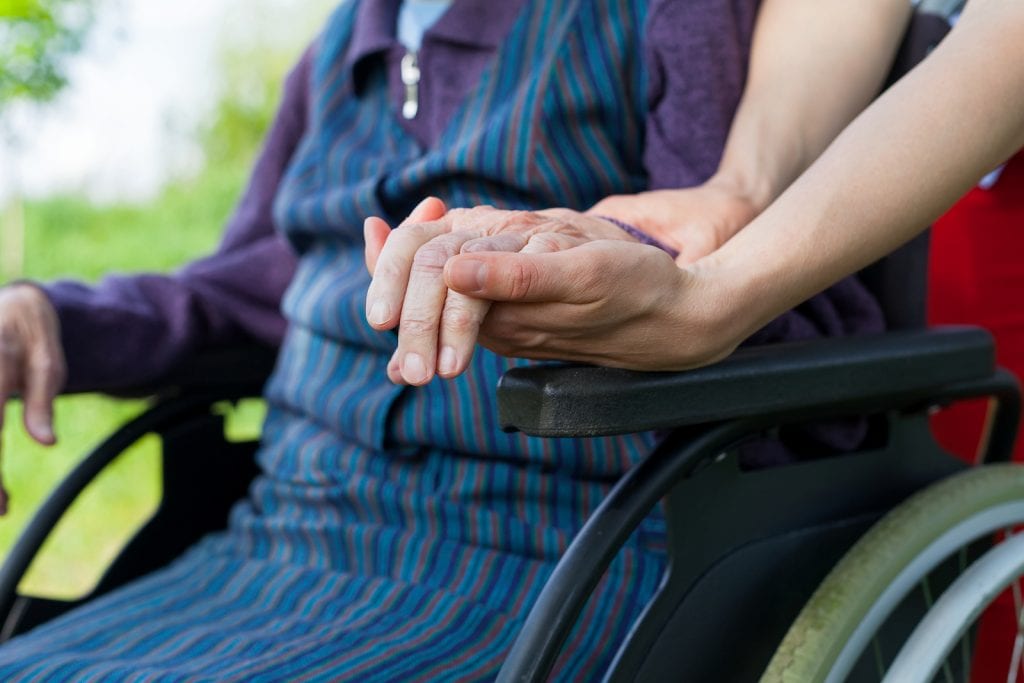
(587, 558)
(188, 390)
(1004, 387)
(161, 416)
(239, 370)
(592, 550)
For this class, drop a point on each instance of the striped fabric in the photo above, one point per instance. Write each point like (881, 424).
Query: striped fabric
(397, 534)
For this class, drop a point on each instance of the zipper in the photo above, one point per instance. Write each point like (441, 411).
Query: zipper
(411, 79)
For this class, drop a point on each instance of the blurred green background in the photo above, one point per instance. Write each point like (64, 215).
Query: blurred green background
(70, 236)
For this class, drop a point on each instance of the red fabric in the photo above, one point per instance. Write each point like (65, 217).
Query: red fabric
(976, 276)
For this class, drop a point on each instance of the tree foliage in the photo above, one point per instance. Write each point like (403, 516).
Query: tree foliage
(36, 39)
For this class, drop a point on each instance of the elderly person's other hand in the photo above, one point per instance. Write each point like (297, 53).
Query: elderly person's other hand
(31, 360)
(605, 302)
(438, 328)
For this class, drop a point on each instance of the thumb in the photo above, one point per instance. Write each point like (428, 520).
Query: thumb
(503, 276)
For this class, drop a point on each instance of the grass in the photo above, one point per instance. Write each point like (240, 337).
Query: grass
(69, 237)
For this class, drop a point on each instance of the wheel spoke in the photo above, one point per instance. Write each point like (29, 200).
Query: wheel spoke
(947, 671)
(1018, 645)
(876, 648)
(965, 656)
(926, 590)
(1018, 641)
(966, 650)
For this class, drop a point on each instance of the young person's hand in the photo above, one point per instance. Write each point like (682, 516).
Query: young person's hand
(606, 302)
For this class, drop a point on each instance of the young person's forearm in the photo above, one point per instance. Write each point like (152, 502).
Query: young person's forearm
(814, 65)
(895, 169)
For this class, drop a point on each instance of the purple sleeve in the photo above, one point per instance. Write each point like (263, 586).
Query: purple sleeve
(641, 236)
(129, 329)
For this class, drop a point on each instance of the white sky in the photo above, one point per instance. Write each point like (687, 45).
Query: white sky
(139, 87)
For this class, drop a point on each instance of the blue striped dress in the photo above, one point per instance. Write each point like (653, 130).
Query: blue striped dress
(396, 534)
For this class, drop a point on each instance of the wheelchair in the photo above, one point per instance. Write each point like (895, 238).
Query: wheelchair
(782, 574)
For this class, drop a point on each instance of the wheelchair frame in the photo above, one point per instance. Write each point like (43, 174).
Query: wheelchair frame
(792, 522)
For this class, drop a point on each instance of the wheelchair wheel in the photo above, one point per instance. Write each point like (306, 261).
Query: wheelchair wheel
(866, 608)
(936, 636)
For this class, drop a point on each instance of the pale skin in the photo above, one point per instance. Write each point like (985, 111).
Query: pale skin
(891, 172)
(813, 62)
(32, 363)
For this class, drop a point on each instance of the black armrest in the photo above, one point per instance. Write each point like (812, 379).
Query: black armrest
(236, 371)
(783, 381)
(184, 394)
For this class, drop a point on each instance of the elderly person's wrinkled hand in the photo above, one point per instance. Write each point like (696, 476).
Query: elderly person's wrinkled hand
(31, 361)
(438, 328)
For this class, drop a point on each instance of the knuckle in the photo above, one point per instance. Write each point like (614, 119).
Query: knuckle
(480, 210)
(546, 241)
(458, 217)
(386, 270)
(561, 214)
(417, 326)
(432, 256)
(516, 217)
(11, 344)
(535, 340)
(46, 363)
(42, 362)
(460, 320)
(413, 235)
(416, 230)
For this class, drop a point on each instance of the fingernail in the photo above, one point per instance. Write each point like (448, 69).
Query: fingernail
(414, 369)
(380, 313)
(448, 360)
(469, 275)
(41, 428)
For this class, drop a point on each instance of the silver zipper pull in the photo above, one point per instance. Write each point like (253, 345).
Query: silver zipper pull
(411, 79)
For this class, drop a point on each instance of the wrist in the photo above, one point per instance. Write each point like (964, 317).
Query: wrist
(709, 311)
(737, 293)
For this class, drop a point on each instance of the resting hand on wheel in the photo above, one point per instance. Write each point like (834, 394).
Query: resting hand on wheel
(31, 361)
(438, 328)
